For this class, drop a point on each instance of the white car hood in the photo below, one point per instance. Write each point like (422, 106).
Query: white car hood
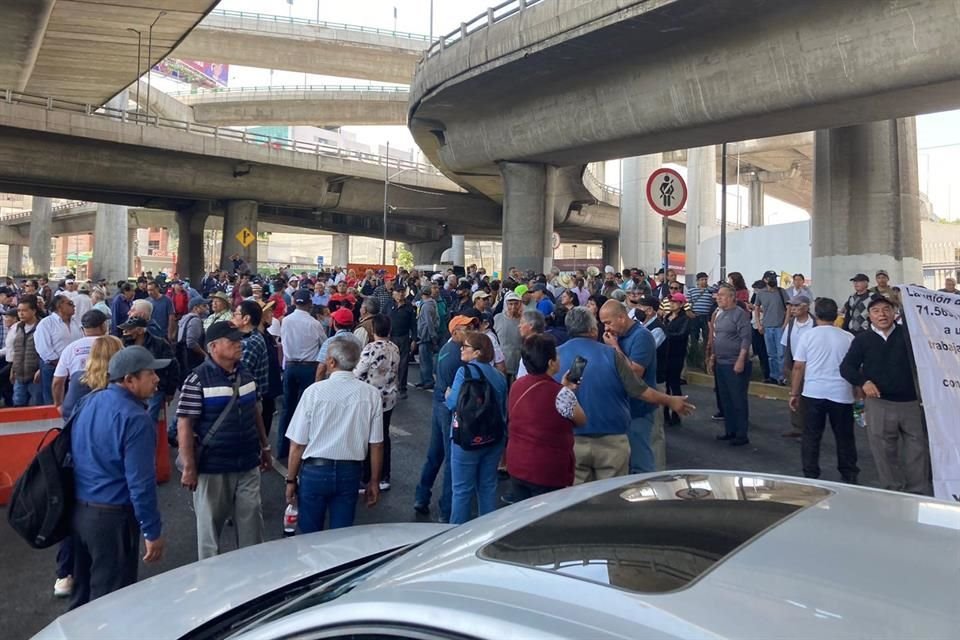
(174, 603)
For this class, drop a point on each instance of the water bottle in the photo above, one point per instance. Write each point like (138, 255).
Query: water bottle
(858, 417)
(290, 517)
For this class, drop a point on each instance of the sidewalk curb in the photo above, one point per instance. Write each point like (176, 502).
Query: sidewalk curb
(757, 389)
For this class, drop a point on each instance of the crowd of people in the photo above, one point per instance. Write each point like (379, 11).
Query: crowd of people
(552, 379)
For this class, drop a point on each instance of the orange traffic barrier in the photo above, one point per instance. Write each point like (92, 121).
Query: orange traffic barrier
(164, 469)
(22, 429)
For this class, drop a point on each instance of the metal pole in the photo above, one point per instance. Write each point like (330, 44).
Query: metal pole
(666, 246)
(150, 56)
(139, 63)
(431, 33)
(723, 213)
(386, 185)
(318, 10)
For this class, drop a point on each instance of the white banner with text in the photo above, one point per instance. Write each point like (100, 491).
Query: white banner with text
(933, 320)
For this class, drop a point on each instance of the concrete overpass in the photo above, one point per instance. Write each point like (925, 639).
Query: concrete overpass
(326, 105)
(88, 50)
(294, 44)
(674, 74)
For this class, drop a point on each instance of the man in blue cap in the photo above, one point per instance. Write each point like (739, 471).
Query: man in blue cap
(190, 342)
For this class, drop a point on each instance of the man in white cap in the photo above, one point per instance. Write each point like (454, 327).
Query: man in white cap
(481, 301)
(507, 327)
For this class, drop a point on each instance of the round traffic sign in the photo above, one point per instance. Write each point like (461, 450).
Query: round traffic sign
(666, 192)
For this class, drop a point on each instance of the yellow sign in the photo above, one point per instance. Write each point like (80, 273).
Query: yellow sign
(246, 237)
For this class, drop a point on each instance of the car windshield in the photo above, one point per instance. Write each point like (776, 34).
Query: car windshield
(657, 535)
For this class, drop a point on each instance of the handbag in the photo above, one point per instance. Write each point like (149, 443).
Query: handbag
(198, 450)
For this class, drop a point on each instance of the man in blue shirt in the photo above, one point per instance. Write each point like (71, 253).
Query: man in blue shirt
(114, 441)
(635, 341)
(544, 304)
(163, 313)
(120, 307)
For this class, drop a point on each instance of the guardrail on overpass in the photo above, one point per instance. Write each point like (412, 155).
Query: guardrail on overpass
(285, 144)
(490, 16)
(291, 89)
(12, 216)
(269, 18)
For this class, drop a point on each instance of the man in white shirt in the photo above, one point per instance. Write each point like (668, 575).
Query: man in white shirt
(799, 287)
(52, 336)
(532, 323)
(74, 358)
(82, 301)
(335, 422)
(800, 321)
(300, 338)
(816, 377)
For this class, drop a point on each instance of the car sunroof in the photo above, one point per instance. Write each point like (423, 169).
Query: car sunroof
(657, 535)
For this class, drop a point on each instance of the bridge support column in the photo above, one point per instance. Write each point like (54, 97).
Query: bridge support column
(458, 252)
(428, 252)
(701, 212)
(528, 210)
(190, 250)
(341, 250)
(110, 233)
(641, 229)
(756, 193)
(132, 250)
(41, 225)
(14, 259)
(866, 205)
(611, 251)
(240, 215)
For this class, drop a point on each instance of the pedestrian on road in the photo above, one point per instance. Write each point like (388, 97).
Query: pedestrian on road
(113, 441)
(120, 306)
(300, 338)
(800, 323)
(880, 362)
(74, 358)
(25, 361)
(52, 336)
(532, 322)
(163, 315)
(507, 326)
(856, 316)
(676, 324)
(702, 300)
(135, 333)
(222, 443)
(268, 403)
(379, 366)
(816, 380)
(342, 320)
(336, 421)
(403, 323)
(246, 318)
(219, 309)
(728, 358)
(428, 336)
(770, 315)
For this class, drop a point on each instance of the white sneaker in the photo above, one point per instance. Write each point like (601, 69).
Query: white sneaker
(63, 587)
(384, 485)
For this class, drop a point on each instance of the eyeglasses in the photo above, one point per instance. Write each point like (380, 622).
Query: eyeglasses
(465, 346)
(674, 288)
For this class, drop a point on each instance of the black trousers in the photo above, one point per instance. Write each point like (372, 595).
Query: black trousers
(385, 470)
(403, 344)
(760, 350)
(268, 408)
(106, 550)
(841, 421)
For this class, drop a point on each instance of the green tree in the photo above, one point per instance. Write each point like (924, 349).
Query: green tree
(404, 257)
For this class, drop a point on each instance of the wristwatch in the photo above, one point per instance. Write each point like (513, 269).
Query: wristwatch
(289, 481)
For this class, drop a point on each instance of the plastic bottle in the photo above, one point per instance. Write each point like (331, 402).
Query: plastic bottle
(858, 417)
(290, 517)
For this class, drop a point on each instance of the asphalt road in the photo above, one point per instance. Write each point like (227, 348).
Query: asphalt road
(26, 576)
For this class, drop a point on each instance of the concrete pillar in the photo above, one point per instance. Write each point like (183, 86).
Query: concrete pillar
(41, 225)
(866, 205)
(110, 253)
(14, 259)
(190, 263)
(132, 250)
(641, 228)
(428, 252)
(755, 192)
(341, 250)
(528, 210)
(239, 215)
(611, 251)
(458, 251)
(701, 211)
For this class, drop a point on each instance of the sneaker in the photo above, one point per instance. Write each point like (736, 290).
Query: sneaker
(508, 498)
(63, 587)
(385, 485)
(362, 490)
(717, 417)
(421, 508)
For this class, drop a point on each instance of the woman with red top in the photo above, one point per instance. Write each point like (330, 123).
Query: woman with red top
(542, 414)
(735, 278)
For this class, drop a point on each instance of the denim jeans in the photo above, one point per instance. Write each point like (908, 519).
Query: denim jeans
(326, 488)
(46, 382)
(296, 378)
(426, 363)
(438, 456)
(474, 472)
(26, 394)
(641, 453)
(732, 388)
(771, 338)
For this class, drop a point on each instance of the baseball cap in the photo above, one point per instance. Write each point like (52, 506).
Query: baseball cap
(878, 298)
(860, 277)
(480, 294)
(882, 272)
(702, 274)
(197, 300)
(133, 323)
(458, 321)
(510, 296)
(5, 291)
(342, 316)
(70, 281)
(12, 312)
(464, 285)
(223, 329)
(130, 360)
(522, 289)
(84, 288)
(770, 274)
(800, 299)
(302, 296)
(93, 319)
(538, 287)
(609, 269)
(648, 301)
(678, 297)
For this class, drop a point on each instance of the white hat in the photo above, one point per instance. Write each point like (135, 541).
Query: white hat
(609, 269)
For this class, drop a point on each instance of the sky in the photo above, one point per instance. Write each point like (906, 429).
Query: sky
(938, 135)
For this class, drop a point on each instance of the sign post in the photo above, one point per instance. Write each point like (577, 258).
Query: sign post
(667, 195)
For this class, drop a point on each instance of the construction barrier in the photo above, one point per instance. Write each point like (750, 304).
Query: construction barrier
(22, 430)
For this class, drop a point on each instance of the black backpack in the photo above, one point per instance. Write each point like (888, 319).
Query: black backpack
(42, 501)
(478, 421)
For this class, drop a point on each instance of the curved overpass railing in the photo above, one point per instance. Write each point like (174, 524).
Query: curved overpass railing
(269, 18)
(492, 15)
(293, 89)
(224, 133)
(60, 208)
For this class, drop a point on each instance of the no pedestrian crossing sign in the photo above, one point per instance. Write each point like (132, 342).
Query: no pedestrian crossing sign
(245, 237)
(666, 192)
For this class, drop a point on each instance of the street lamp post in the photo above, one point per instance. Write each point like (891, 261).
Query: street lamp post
(386, 187)
(139, 63)
(150, 54)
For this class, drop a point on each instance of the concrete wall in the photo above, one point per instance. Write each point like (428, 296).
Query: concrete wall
(751, 251)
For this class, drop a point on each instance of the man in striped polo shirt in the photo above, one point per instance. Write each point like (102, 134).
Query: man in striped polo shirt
(703, 300)
(222, 443)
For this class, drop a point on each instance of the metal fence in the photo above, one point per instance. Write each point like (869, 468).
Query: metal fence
(269, 18)
(293, 89)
